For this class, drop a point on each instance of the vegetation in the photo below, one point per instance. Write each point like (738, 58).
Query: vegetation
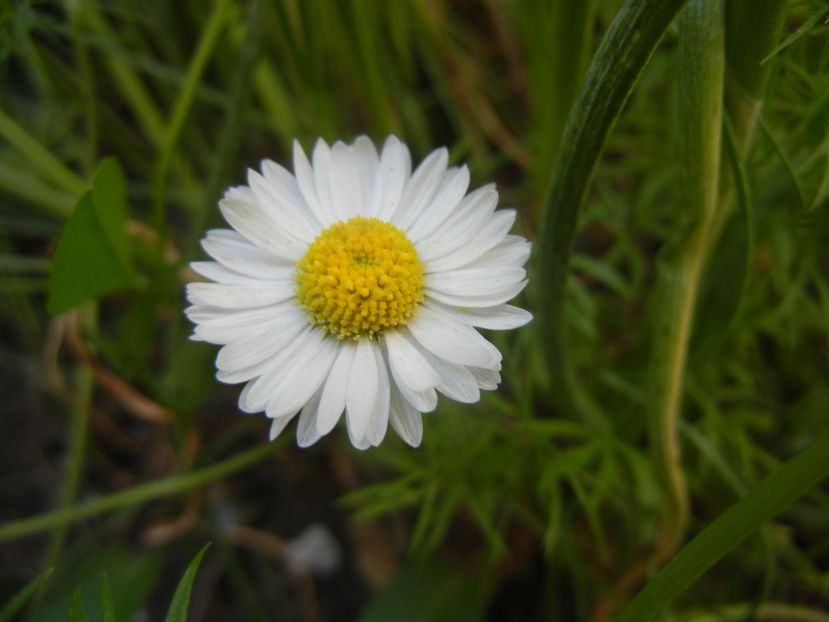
(666, 409)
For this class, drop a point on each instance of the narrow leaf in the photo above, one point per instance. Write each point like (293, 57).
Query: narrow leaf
(772, 496)
(107, 606)
(181, 599)
(77, 611)
(623, 54)
(20, 599)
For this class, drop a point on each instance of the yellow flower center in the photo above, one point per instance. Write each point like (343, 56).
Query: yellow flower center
(359, 277)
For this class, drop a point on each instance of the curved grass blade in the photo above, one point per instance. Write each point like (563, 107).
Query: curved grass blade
(769, 498)
(624, 52)
(22, 597)
(181, 599)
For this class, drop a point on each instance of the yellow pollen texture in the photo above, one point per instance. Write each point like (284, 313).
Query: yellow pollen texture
(359, 277)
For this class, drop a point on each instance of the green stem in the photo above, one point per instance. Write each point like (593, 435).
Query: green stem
(623, 54)
(33, 189)
(134, 496)
(181, 109)
(79, 436)
(38, 156)
(701, 68)
(769, 498)
(130, 84)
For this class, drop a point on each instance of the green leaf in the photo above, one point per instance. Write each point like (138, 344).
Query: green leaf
(772, 496)
(77, 612)
(181, 599)
(130, 575)
(616, 67)
(22, 597)
(107, 606)
(109, 194)
(92, 256)
(428, 594)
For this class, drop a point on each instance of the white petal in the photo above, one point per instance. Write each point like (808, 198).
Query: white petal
(305, 375)
(491, 300)
(277, 425)
(420, 188)
(321, 158)
(290, 378)
(452, 341)
(457, 382)
(217, 272)
(405, 419)
(508, 252)
(452, 189)
(500, 317)
(286, 186)
(487, 379)
(346, 188)
(307, 432)
(394, 171)
(408, 365)
(332, 401)
(466, 220)
(249, 220)
(240, 296)
(259, 346)
(254, 397)
(475, 281)
(234, 252)
(424, 401)
(221, 326)
(278, 204)
(468, 244)
(362, 389)
(379, 419)
(305, 181)
(367, 164)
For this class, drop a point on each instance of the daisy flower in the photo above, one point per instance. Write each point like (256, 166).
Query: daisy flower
(354, 285)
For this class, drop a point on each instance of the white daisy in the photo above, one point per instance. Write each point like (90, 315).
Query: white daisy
(355, 286)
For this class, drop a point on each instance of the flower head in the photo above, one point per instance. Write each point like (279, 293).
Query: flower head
(354, 285)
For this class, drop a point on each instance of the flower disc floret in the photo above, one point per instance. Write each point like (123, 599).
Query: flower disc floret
(360, 277)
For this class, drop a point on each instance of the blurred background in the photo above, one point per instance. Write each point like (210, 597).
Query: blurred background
(512, 509)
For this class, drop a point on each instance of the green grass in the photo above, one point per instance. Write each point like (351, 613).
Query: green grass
(677, 370)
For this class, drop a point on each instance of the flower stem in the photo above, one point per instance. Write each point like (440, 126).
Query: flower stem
(134, 496)
(701, 70)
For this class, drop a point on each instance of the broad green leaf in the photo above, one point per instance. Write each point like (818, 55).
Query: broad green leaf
(181, 599)
(769, 498)
(428, 594)
(92, 255)
(109, 194)
(17, 603)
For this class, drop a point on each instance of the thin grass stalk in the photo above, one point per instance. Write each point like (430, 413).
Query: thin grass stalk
(753, 29)
(130, 84)
(175, 484)
(701, 70)
(563, 35)
(39, 157)
(623, 54)
(181, 109)
(763, 502)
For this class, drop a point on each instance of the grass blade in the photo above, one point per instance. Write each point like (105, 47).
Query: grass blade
(20, 599)
(181, 599)
(772, 496)
(623, 54)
